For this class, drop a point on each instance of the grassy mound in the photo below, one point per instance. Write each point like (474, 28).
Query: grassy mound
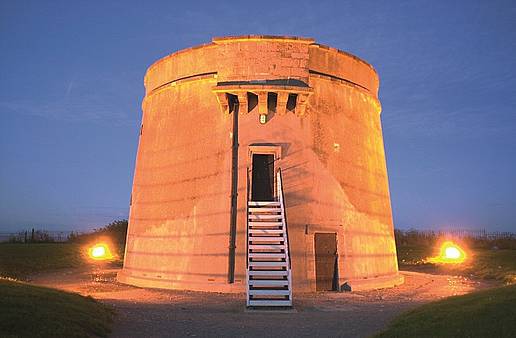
(488, 313)
(20, 260)
(33, 311)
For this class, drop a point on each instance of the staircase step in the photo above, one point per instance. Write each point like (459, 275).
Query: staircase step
(266, 239)
(267, 283)
(267, 246)
(265, 224)
(266, 255)
(286, 302)
(263, 203)
(269, 293)
(268, 273)
(264, 217)
(265, 232)
(255, 210)
(261, 264)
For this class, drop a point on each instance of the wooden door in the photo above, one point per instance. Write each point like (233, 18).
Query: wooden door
(326, 261)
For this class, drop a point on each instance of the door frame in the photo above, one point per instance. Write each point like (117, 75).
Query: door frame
(267, 149)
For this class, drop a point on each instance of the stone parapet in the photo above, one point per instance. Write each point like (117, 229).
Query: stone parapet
(262, 58)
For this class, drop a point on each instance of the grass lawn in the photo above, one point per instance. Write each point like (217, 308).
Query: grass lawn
(33, 311)
(482, 263)
(488, 313)
(20, 260)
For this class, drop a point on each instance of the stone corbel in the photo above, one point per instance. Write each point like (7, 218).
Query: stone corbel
(262, 103)
(302, 101)
(223, 102)
(242, 102)
(281, 107)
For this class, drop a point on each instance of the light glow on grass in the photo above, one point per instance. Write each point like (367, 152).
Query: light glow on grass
(449, 252)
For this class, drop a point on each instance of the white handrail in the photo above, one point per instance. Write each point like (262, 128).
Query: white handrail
(285, 230)
(247, 241)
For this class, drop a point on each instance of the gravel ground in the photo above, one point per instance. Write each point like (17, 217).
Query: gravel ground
(164, 313)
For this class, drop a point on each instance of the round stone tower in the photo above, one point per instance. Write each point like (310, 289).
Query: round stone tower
(220, 121)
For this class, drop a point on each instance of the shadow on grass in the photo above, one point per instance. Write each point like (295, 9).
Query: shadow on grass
(34, 311)
(488, 313)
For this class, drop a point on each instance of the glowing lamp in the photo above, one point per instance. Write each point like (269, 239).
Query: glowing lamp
(100, 252)
(452, 252)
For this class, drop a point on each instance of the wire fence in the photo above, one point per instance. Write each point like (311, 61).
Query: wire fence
(402, 235)
(461, 233)
(37, 236)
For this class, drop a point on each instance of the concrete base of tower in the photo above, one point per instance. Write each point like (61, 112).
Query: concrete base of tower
(361, 284)
(380, 282)
(160, 283)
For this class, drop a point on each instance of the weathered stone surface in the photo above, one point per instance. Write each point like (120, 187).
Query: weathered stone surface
(333, 161)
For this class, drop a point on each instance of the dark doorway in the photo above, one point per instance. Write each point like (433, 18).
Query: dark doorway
(326, 262)
(262, 188)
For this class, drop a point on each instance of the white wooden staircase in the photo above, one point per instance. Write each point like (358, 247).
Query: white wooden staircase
(269, 279)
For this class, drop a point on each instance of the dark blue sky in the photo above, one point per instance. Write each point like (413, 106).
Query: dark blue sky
(71, 84)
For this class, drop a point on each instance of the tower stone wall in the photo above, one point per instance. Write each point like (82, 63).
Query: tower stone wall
(322, 120)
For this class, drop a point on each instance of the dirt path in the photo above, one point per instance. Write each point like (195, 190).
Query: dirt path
(163, 313)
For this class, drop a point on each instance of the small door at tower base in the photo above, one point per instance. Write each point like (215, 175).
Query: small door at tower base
(326, 264)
